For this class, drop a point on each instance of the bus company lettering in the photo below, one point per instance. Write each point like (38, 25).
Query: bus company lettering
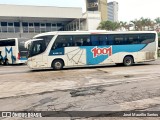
(101, 51)
(8, 51)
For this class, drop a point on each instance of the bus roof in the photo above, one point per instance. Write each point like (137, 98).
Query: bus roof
(29, 41)
(13, 38)
(91, 32)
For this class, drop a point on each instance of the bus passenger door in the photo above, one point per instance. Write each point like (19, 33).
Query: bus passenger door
(36, 55)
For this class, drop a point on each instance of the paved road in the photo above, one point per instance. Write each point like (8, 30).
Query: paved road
(109, 88)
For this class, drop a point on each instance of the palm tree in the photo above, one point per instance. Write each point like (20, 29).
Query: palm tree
(102, 25)
(108, 25)
(124, 25)
(142, 23)
(157, 20)
(137, 25)
(149, 23)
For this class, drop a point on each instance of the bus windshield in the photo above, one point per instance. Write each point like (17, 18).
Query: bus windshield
(38, 45)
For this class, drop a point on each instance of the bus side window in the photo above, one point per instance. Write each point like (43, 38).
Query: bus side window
(94, 40)
(86, 40)
(62, 41)
(98, 40)
(102, 40)
(2, 43)
(130, 40)
(10, 42)
(136, 39)
(146, 38)
(111, 39)
(119, 40)
(81, 40)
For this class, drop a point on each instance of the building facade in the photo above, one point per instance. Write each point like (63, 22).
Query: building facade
(97, 6)
(24, 21)
(112, 11)
(91, 20)
(27, 21)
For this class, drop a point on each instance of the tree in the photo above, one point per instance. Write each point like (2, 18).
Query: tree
(142, 23)
(124, 25)
(157, 20)
(149, 23)
(108, 25)
(137, 24)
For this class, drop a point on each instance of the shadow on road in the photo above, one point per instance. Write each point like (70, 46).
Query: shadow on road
(13, 65)
(90, 67)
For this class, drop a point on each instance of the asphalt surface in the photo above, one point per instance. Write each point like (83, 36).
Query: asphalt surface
(104, 88)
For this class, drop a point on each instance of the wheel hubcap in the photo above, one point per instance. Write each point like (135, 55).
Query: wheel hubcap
(58, 65)
(128, 61)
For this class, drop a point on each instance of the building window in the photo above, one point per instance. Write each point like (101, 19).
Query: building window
(54, 25)
(10, 24)
(10, 27)
(25, 27)
(31, 25)
(37, 27)
(43, 27)
(4, 26)
(48, 27)
(17, 26)
(31, 28)
(59, 24)
(3, 23)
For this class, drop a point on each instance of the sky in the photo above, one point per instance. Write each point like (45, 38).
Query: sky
(128, 9)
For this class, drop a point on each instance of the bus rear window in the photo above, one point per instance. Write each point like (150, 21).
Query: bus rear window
(7, 42)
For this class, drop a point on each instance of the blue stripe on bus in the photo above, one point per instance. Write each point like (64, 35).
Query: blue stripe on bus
(23, 59)
(59, 51)
(91, 60)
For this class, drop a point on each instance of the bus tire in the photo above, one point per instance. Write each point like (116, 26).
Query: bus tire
(128, 61)
(57, 64)
(1, 62)
(6, 62)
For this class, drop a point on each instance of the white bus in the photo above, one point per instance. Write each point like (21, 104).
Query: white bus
(85, 48)
(13, 51)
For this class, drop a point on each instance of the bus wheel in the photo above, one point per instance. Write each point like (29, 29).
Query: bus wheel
(128, 61)
(6, 62)
(1, 62)
(57, 64)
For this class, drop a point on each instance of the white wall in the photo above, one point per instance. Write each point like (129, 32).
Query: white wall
(92, 20)
(39, 11)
